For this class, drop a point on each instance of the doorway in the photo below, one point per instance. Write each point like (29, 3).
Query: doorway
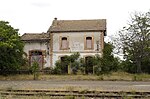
(36, 56)
(89, 65)
(64, 65)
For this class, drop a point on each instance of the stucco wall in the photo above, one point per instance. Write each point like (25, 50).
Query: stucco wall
(76, 44)
(38, 46)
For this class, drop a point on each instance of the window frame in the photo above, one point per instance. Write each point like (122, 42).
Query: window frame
(61, 40)
(42, 54)
(92, 43)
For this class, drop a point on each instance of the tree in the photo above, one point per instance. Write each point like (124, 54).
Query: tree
(35, 70)
(135, 41)
(107, 62)
(92, 64)
(11, 48)
(71, 61)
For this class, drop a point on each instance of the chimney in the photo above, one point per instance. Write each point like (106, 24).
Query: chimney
(55, 18)
(55, 22)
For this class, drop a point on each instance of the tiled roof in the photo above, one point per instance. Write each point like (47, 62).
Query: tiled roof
(35, 37)
(78, 25)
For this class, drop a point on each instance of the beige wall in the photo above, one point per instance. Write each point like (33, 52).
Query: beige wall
(37, 46)
(76, 44)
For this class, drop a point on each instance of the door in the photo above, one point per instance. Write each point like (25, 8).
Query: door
(36, 56)
(89, 65)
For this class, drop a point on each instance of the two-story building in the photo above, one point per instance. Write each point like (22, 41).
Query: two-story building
(65, 37)
(69, 36)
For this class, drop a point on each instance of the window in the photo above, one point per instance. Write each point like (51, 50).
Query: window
(64, 43)
(88, 43)
(36, 52)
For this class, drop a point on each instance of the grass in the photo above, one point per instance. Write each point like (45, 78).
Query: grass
(30, 97)
(115, 76)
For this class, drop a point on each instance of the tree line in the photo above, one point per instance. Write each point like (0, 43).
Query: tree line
(133, 41)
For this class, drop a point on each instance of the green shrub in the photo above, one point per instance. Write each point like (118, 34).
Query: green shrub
(90, 65)
(48, 70)
(61, 66)
(35, 70)
(58, 67)
(137, 78)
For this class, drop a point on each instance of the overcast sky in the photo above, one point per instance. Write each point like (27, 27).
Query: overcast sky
(35, 16)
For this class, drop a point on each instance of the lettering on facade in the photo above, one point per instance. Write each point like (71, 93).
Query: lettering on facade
(77, 46)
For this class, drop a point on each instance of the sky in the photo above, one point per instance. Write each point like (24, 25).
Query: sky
(36, 16)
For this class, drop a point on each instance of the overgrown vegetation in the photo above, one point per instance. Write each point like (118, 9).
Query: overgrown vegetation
(113, 76)
(67, 63)
(134, 41)
(35, 70)
(11, 48)
(107, 63)
(90, 65)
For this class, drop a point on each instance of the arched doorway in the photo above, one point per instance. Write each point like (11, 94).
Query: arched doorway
(89, 65)
(64, 65)
(36, 56)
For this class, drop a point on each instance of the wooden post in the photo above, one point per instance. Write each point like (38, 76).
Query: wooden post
(69, 68)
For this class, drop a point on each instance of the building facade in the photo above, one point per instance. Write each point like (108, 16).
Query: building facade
(37, 48)
(65, 37)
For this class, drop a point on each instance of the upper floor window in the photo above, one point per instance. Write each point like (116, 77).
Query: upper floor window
(89, 43)
(64, 43)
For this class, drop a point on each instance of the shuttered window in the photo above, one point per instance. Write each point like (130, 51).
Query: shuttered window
(88, 42)
(64, 43)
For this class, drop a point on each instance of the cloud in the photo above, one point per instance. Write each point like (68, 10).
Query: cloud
(40, 4)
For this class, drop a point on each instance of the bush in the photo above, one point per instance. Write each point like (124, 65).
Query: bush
(48, 70)
(35, 70)
(91, 64)
(61, 66)
(58, 67)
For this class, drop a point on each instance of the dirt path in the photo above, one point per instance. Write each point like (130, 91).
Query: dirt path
(77, 85)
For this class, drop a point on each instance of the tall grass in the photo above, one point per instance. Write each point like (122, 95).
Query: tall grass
(114, 76)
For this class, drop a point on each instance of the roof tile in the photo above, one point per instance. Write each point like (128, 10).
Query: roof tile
(78, 25)
(34, 36)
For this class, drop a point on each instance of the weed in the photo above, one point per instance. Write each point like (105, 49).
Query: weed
(84, 91)
(69, 97)
(70, 88)
(137, 78)
(101, 77)
(35, 70)
(114, 76)
(10, 88)
(1, 97)
(82, 97)
(133, 92)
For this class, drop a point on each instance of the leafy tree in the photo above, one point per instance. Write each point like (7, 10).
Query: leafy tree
(62, 65)
(107, 62)
(100, 65)
(97, 64)
(11, 48)
(35, 70)
(135, 42)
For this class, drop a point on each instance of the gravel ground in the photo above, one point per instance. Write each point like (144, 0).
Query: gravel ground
(77, 85)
